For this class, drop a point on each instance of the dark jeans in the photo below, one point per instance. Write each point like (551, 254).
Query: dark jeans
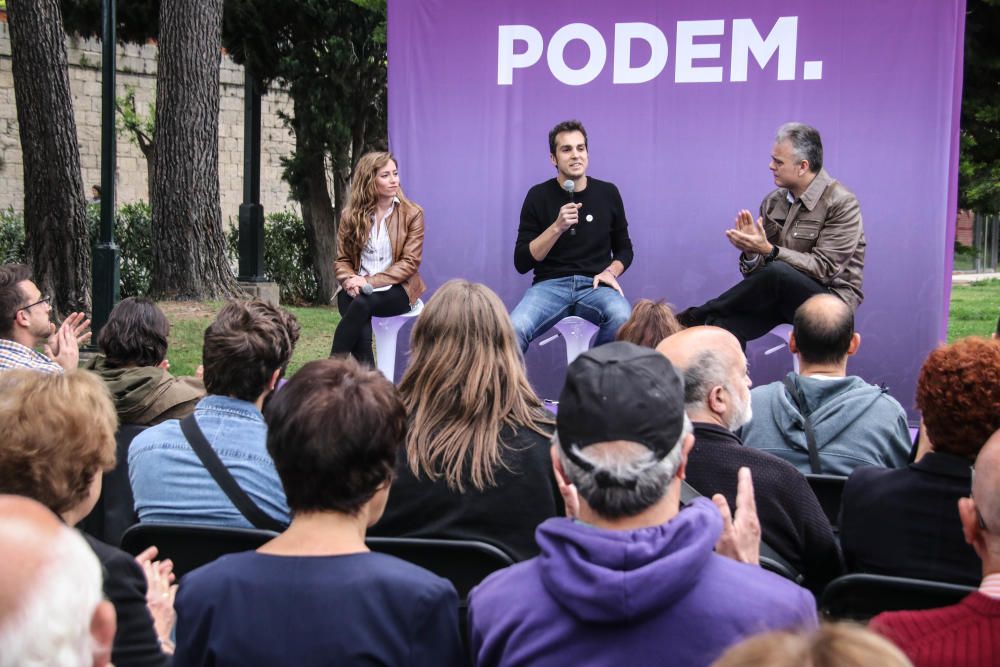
(354, 333)
(764, 299)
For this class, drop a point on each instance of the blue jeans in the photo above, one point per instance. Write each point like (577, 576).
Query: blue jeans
(549, 301)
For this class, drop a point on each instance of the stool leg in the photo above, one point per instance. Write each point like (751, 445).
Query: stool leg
(386, 332)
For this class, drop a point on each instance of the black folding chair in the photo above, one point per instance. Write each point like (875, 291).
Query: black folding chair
(464, 563)
(114, 511)
(189, 546)
(829, 489)
(859, 597)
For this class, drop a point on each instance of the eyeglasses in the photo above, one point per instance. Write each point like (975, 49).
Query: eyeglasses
(979, 515)
(44, 299)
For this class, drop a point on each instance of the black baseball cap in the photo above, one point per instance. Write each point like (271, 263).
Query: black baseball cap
(620, 391)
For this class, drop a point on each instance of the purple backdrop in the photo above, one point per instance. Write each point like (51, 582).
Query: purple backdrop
(684, 128)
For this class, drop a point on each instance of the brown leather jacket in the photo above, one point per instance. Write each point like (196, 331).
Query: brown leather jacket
(406, 234)
(820, 234)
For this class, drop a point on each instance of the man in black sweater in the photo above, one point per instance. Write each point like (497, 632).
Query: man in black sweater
(574, 234)
(717, 399)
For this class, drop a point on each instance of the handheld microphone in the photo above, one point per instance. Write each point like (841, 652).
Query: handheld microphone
(570, 187)
(367, 289)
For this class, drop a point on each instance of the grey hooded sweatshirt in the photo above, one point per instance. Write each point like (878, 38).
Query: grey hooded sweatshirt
(855, 423)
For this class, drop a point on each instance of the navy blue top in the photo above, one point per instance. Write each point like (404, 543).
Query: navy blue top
(356, 609)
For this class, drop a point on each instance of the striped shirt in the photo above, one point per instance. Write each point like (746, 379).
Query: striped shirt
(14, 355)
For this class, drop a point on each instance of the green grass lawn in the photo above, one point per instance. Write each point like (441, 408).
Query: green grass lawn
(189, 319)
(974, 310)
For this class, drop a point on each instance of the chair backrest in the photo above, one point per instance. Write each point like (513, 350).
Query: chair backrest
(115, 509)
(189, 546)
(464, 563)
(829, 489)
(859, 597)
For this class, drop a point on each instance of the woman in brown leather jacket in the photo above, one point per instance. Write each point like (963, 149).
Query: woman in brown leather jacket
(380, 242)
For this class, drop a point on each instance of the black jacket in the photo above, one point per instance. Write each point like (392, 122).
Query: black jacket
(791, 519)
(125, 586)
(905, 522)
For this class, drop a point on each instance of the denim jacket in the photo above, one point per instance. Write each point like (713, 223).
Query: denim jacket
(170, 484)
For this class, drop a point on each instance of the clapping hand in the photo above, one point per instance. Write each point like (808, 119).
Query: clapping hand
(64, 345)
(749, 236)
(740, 539)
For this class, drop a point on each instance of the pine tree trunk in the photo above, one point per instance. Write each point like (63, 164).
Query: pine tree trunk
(319, 217)
(54, 202)
(189, 259)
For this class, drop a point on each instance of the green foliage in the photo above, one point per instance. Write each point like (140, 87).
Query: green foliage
(979, 170)
(286, 256)
(138, 20)
(133, 235)
(137, 126)
(331, 55)
(12, 248)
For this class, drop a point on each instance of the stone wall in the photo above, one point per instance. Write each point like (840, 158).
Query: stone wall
(137, 69)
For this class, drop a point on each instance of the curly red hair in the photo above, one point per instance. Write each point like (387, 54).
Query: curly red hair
(958, 392)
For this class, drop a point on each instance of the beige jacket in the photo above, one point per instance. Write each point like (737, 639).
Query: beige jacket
(820, 234)
(406, 235)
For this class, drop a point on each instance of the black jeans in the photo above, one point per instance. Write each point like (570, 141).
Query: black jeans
(764, 299)
(354, 333)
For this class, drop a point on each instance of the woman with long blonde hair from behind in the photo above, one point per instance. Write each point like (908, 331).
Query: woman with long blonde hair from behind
(476, 462)
(380, 242)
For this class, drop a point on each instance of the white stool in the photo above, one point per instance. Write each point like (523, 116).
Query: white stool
(386, 330)
(783, 331)
(576, 333)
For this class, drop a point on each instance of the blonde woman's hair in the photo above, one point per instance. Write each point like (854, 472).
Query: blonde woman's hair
(832, 645)
(362, 201)
(465, 382)
(58, 432)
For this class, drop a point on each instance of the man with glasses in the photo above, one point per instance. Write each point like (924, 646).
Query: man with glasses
(967, 633)
(25, 325)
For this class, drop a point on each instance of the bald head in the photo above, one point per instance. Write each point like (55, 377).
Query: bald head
(986, 489)
(27, 531)
(716, 385)
(51, 608)
(823, 328)
(684, 347)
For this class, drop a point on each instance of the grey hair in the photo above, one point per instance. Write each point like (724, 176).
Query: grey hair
(707, 370)
(623, 461)
(805, 141)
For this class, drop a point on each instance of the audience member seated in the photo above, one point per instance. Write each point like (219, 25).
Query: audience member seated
(133, 363)
(905, 522)
(58, 437)
(717, 396)
(245, 353)
(315, 595)
(833, 645)
(476, 464)
(629, 578)
(650, 322)
(25, 325)
(52, 611)
(967, 633)
(853, 423)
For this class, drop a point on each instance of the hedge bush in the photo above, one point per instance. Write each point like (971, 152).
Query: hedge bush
(286, 253)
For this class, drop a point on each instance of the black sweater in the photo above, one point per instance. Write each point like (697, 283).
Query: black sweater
(504, 515)
(791, 519)
(601, 235)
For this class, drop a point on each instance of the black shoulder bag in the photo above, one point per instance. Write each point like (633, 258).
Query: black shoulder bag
(222, 477)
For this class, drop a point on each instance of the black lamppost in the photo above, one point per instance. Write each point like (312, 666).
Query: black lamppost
(251, 239)
(106, 278)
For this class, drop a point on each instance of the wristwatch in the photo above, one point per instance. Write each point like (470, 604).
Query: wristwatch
(771, 256)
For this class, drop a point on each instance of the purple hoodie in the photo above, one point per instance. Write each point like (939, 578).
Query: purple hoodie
(656, 596)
